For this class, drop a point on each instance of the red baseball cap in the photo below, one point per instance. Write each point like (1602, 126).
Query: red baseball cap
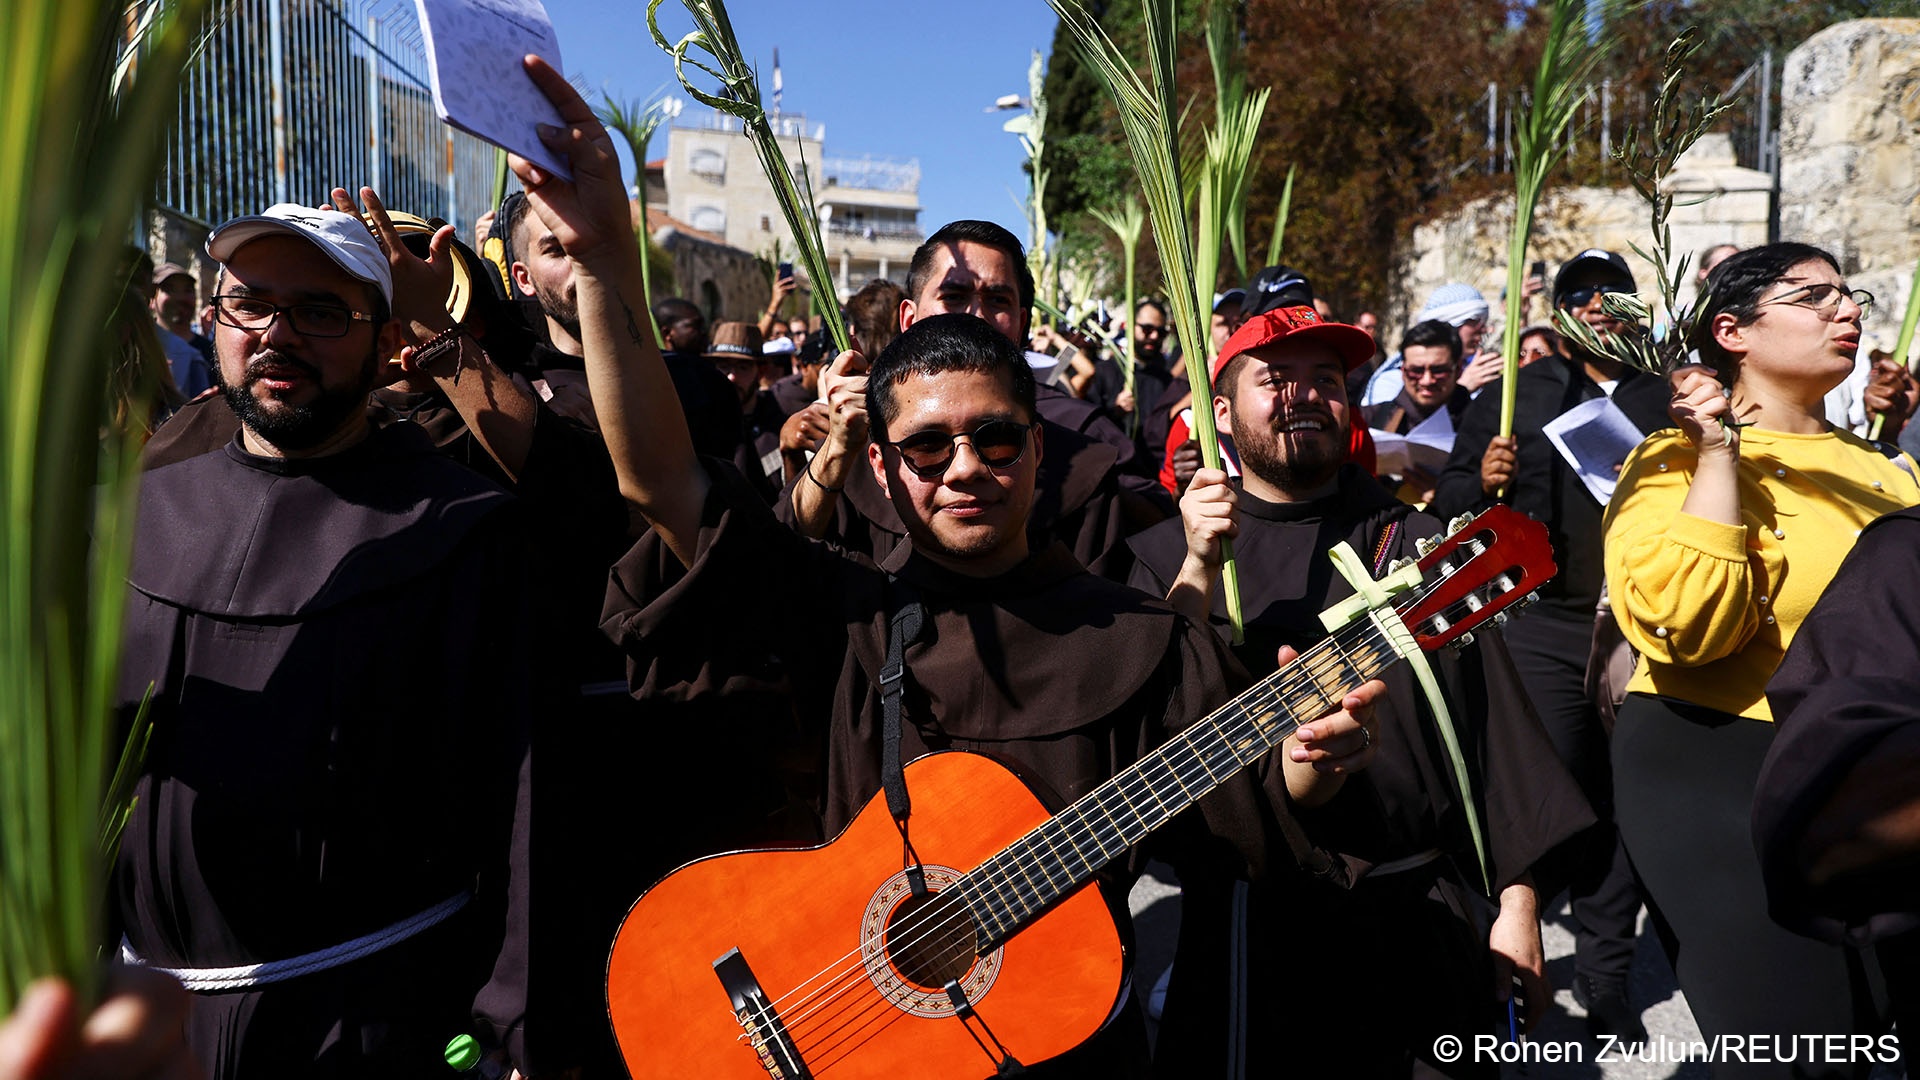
(1354, 345)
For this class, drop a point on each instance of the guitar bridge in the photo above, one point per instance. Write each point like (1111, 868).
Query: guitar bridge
(758, 1018)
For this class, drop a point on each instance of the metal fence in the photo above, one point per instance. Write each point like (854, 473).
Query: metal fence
(1601, 120)
(290, 98)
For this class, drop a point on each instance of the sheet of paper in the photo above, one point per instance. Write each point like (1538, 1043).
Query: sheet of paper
(1430, 443)
(1390, 455)
(1595, 437)
(474, 48)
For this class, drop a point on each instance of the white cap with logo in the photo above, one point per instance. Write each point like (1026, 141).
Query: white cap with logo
(343, 237)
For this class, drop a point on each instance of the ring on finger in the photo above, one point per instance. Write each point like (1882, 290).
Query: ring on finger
(1366, 737)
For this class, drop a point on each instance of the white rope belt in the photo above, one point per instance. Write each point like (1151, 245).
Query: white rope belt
(242, 976)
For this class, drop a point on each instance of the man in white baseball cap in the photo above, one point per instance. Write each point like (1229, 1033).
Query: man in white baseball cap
(302, 325)
(324, 846)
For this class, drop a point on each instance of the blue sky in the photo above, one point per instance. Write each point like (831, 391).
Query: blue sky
(906, 79)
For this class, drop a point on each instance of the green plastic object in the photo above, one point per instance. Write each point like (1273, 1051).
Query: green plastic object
(463, 1053)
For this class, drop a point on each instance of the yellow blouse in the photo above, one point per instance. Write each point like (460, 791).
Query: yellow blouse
(1712, 607)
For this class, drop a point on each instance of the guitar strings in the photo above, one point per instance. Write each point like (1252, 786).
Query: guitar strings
(1308, 672)
(1269, 692)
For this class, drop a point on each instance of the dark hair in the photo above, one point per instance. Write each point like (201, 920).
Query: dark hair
(1434, 332)
(1735, 286)
(514, 208)
(815, 350)
(1150, 302)
(671, 309)
(984, 233)
(942, 343)
(873, 315)
(1541, 330)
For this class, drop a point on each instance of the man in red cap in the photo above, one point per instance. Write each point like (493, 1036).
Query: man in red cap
(1387, 923)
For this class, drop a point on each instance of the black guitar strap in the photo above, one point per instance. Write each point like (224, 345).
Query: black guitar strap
(906, 618)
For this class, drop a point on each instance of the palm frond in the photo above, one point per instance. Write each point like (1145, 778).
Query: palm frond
(637, 124)
(1567, 60)
(81, 132)
(1153, 139)
(739, 96)
(1279, 241)
(1127, 221)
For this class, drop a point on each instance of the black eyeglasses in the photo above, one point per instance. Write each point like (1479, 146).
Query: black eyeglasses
(1823, 299)
(307, 320)
(1581, 297)
(999, 444)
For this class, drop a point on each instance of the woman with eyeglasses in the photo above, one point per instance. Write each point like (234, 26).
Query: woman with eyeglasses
(1720, 536)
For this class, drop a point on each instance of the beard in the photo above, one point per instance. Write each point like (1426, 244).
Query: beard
(300, 427)
(1266, 456)
(561, 307)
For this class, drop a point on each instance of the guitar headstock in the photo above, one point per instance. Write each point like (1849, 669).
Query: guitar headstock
(1481, 567)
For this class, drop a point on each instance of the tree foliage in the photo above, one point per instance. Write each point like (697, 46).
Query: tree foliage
(1382, 104)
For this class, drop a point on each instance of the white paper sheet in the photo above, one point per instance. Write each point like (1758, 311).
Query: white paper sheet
(474, 49)
(1427, 447)
(1595, 437)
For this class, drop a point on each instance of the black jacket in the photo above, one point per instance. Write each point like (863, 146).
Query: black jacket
(1544, 486)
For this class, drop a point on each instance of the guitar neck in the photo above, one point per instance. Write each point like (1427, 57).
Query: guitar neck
(1018, 884)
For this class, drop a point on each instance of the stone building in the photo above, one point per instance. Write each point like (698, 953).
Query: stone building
(869, 207)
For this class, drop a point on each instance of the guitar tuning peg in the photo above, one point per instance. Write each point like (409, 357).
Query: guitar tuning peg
(1459, 523)
(1532, 597)
(1500, 619)
(1464, 640)
(1399, 564)
(1425, 545)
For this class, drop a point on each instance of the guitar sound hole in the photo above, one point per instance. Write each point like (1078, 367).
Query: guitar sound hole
(931, 941)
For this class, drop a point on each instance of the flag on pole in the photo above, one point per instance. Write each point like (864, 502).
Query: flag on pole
(776, 82)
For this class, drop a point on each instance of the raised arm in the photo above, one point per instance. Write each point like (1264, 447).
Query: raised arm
(842, 451)
(498, 412)
(633, 396)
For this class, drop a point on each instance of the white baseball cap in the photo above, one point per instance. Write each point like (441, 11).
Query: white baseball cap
(343, 237)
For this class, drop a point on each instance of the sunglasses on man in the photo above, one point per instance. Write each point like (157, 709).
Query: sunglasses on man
(999, 444)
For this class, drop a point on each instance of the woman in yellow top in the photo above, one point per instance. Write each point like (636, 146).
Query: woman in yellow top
(1719, 538)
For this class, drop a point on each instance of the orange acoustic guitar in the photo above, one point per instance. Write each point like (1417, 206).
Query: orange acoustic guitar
(837, 963)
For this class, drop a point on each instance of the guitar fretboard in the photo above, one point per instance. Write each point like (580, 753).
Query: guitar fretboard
(1015, 886)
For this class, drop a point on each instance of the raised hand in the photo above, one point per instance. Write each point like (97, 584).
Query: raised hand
(1498, 463)
(420, 286)
(1702, 412)
(589, 215)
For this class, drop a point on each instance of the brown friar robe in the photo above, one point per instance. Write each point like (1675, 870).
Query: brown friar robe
(1081, 498)
(1397, 950)
(1065, 675)
(1837, 704)
(336, 652)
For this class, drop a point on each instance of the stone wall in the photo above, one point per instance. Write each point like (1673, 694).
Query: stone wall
(1849, 182)
(1715, 202)
(1849, 160)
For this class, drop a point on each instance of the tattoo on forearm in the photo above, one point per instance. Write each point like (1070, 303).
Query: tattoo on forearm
(633, 324)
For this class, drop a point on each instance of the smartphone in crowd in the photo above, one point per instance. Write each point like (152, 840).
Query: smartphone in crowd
(786, 270)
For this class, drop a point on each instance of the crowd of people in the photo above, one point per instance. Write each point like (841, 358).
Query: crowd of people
(465, 609)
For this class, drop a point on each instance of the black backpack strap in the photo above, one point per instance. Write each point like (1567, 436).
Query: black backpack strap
(906, 618)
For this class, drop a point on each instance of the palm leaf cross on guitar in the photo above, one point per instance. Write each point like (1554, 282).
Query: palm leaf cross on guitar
(850, 975)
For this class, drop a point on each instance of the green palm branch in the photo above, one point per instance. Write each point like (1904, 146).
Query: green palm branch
(739, 97)
(1127, 222)
(637, 124)
(1149, 118)
(86, 108)
(1567, 62)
